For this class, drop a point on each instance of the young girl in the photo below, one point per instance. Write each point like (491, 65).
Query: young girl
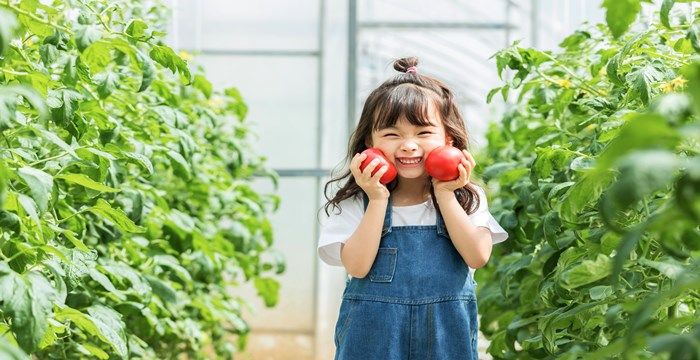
(409, 245)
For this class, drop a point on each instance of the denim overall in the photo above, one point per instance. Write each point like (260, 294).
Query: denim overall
(417, 302)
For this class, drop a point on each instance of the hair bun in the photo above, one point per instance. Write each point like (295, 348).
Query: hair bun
(404, 64)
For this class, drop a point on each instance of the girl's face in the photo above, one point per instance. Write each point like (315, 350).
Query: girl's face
(408, 145)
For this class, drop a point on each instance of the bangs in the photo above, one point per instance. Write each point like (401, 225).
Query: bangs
(408, 101)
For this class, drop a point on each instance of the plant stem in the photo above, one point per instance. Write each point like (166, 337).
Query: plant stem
(35, 17)
(572, 74)
(12, 72)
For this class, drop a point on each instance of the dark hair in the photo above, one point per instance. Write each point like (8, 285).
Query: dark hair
(408, 94)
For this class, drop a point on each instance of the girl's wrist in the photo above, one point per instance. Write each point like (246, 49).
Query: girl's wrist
(441, 196)
(379, 200)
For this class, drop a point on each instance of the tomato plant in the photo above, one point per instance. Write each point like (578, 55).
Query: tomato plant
(596, 174)
(126, 210)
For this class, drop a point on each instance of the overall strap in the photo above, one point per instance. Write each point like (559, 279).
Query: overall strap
(386, 228)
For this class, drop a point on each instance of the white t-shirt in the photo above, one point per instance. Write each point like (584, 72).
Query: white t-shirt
(336, 229)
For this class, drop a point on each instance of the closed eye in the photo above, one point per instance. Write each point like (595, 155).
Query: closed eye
(390, 134)
(425, 132)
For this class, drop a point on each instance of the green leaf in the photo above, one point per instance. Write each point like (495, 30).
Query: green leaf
(35, 26)
(627, 244)
(600, 292)
(71, 237)
(11, 352)
(268, 288)
(54, 266)
(551, 225)
(180, 165)
(165, 56)
(8, 101)
(28, 300)
(163, 290)
(124, 271)
(586, 272)
(9, 221)
(141, 159)
(665, 10)
(620, 14)
(106, 83)
(586, 190)
(148, 70)
(4, 175)
(641, 131)
(85, 181)
(237, 105)
(137, 29)
(615, 61)
(103, 280)
(57, 141)
(90, 349)
(201, 83)
(30, 208)
(8, 25)
(40, 184)
(549, 159)
(641, 174)
(679, 346)
(670, 268)
(98, 324)
(81, 320)
(693, 35)
(491, 93)
(63, 102)
(172, 263)
(641, 81)
(573, 41)
(116, 217)
(111, 326)
(86, 35)
(99, 54)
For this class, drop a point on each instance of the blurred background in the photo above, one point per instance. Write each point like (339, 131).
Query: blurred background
(305, 68)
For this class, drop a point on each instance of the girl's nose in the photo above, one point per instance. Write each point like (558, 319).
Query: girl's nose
(409, 146)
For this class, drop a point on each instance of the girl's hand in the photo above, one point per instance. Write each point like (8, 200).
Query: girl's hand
(370, 184)
(465, 172)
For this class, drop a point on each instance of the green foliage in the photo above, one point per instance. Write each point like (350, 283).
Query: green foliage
(596, 174)
(127, 218)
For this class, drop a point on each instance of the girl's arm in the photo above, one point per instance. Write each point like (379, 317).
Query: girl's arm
(473, 243)
(359, 251)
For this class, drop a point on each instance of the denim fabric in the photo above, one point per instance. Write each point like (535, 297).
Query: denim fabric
(417, 302)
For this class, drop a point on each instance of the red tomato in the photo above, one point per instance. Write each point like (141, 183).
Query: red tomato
(374, 153)
(442, 163)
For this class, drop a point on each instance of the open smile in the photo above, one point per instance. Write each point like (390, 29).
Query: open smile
(410, 161)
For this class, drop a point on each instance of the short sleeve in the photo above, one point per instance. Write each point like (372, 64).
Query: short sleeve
(482, 217)
(337, 228)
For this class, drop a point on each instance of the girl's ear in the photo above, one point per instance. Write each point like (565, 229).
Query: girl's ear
(448, 139)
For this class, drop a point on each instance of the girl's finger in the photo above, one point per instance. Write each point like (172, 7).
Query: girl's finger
(470, 157)
(462, 171)
(371, 166)
(379, 173)
(357, 160)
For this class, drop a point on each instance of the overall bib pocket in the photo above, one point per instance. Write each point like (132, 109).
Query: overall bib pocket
(384, 265)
